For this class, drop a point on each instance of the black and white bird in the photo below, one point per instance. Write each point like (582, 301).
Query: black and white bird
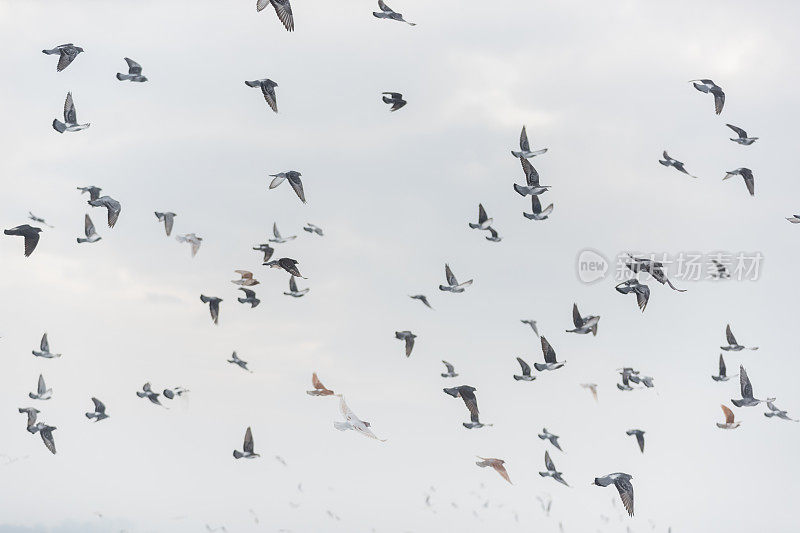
(170, 394)
(747, 399)
(626, 381)
(483, 220)
(234, 360)
(99, 411)
(467, 393)
(352, 422)
(532, 186)
(583, 325)
(286, 263)
(29, 233)
(537, 213)
(134, 72)
(293, 289)
(89, 231)
(46, 432)
(192, 239)
(112, 206)
(774, 411)
(422, 298)
(708, 86)
(70, 118)
(526, 371)
(452, 283)
(408, 337)
(249, 297)
(247, 447)
(546, 435)
(294, 180)
(747, 175)
(168, 219)
(551, 471)
(623, 484)
(722, 372)
(31, 413)
(671, 162)
(282, 8)
(393, 99)
(266, 249)
(493, 235)
(550, 362)
(38, 220)
(641, 291)
(311, 228)
(652, 267)
(451, 370)
(66, 54)
(42, 392)
(639, 437)
(532, 324)
(267, 87)
(525, 147)
(147, 392)
(44, 349)
(92, 191)
(277, 238)
(213, 306)
(387, 12)
(733, 346)
(742, 138)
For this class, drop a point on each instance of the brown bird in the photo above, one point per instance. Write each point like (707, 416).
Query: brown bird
(497, 464)
(729, 423)
(247, 278)
(319, 388)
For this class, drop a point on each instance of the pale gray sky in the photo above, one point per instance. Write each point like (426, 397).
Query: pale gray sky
(603, 86)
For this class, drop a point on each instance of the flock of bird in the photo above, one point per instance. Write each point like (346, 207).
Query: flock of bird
(641, 268)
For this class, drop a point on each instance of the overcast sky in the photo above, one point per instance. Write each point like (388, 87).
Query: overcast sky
(602, 85)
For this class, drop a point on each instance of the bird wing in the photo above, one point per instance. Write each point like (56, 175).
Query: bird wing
(524, 145)
(70, 116)
(68, 55)
(625, 489)
(88, 226)
(640, 440)
(98, 406)
(169, 220)
(450, 368)
(576, 316)
(246, 274)
(383, 7)
(548, 351)
(275, 231)
(719, 99)
(531, 176)
(526, 369)
(500, 469)
(134, 68)
(481, 214)
(316, 382)
(729, 336)
(248, 441)
(292, 285)
(409, 344)
(750, 183)
(30, 241)
(284, 11)
(548, 463)
(261, 4)
(44, 345)
(297, 185)
(47, 438)
(728, 414)
(739, 131)
(642, 296)
(448, 274)
(536, 205)
(744, 383)
(269, 95)
(41, 388)
(722, 369)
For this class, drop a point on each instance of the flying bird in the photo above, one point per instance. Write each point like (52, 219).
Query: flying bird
(623, 484)
(234, 360)
(394, 99)
(525, 147)
(729, 419)
(641, 291)
(267, 87)
(247, 448)
(582, 324)
(742, 138)
(733, 346)
(44, 349)
(746, 174)
(483, 221)
(497, 464)
(287, 264)
(708, 86)
(721, 376)
(293, 289)
(591, 387)
(294, 180)
(99, 411)
(652, 267)
(550, 362)
(213, 306)
(639, 437)
(551, 470)
(531, 186)
(774, 411)
(30, 234)
(408, 337)
(794, 219)
(42, 392)
(266, 249)
(31, 412)
(451, 370)
(678, 165)
(249, 297)
(278, 239)
(532, 324)
(721, 270)
(66, 54)
(282, 8)
(546, 435)
(311, 228)
(94, 192)
(168, 219)
(352, 422)
(70, 118)
(467, 393)
(537, 213)
(192, 239)
(89, 231)
(526, 371)
(246, 280)
(747, 392)
(452, 283)
(386, 12)
(38, 220)
(134, 72)
(422, 298)
(112, 206)
(494, 236)
(147, 392)
(625, 385)
(319, 388)
(46, 432)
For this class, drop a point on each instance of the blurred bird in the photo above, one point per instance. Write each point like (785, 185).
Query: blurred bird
(278, 239)
(525, 147)
(89, 231)
(247, 447)
(94, 192)
(386, 12)
(249, 297)
(670, 162)
(497, 464)
(546, 435)
(394, 99)
(213, 306)
(147, 392)
(38, 220)
(639, 437)
(31, 412)
(99, 411)
(408, 337)
(70, 118)
(722, 376)
(532, 324)
(451, 370)
(246, 280)
(267, 87)
(494, 236)
(774, 411)
(267, 249)
(641, 291)
(293, 289)
(168, 219)
(134, 72)
(551, 470)
(66, 54)
(422, 298)
(729, 422)
(591, 387)
(311, 228)
(708, 86)
(192, 239)
(234, 360)
(452, 283)
(319, 388)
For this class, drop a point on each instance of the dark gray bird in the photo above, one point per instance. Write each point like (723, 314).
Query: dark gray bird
(249, 297)
(722, 376)
(537, 213)
(525, 147)
(742, 138)
(286, 263)
(747, 392)
(99, 411)
(213, 306)
(483, 221)
(134, 72)
(89, 231)
(170, 394)
(311, 228)
(639, 437)
(247, 447)
(112, 206)
(451, 370)
(708, 86)
(678, 165)
(452, 283)
(526, 371)
(422, 298)
(234, 360)
(168, 219)
(268, 90)
(641, 291)
(282, 8)
(44, 349)
(387, 12)
(733, 346)
(38, 220)
(493, 235)
(408, 337)
(747, 175)
(94, 192)
(467, 393)
(532, 186)
(395, 99)
(67, 54)
(774, 411)
(546, 435)
(623, 484)
(29, 233)
(147, 392)
(42, 392)
(652, 267)
(551, 470)
(293, 289)
(583, 325)
(267, 249)
(721, 270)
(550, 362)
(70, 118)
(46, 432)
(626, 378)
(294, 180)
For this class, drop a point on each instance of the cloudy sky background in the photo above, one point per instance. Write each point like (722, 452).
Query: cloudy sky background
(603, 86)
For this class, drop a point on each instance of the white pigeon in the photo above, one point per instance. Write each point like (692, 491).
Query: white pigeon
(353, 422)
(191, 238)
(70, 118)
(42, 392)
